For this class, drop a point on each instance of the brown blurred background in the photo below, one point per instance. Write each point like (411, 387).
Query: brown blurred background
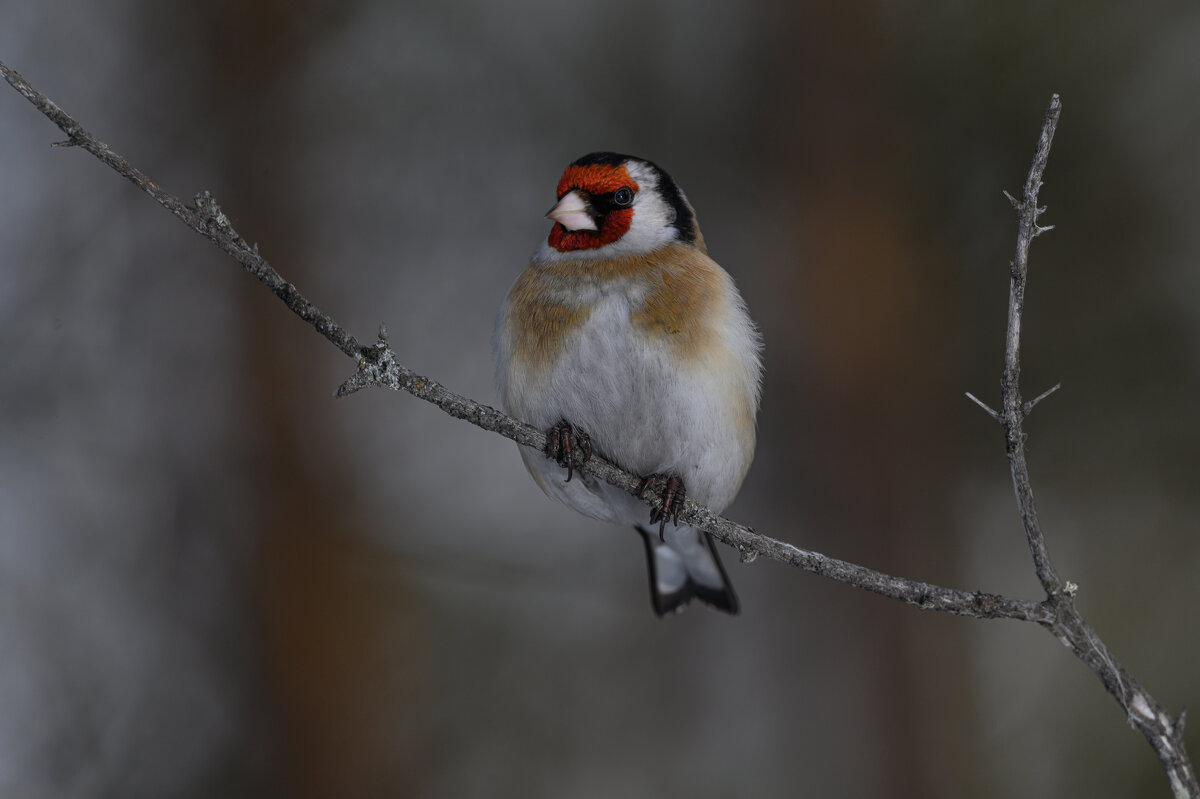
(216, 580)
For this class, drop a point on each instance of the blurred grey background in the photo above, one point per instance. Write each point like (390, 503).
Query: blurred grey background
(218, 580)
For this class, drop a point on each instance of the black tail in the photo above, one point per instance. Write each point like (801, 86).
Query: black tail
(682, 565)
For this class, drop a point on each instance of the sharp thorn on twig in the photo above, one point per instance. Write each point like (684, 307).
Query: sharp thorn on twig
(356, 382)
(1016, 205)
(65, 143)
(1180, 723)
(983, 405)
(382, 332)
(1028, 406)
(1040, 229)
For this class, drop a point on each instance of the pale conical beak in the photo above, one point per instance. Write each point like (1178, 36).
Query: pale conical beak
(572, 212)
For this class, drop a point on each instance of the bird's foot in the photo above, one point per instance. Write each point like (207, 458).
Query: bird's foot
(673, 495)
(568, 446)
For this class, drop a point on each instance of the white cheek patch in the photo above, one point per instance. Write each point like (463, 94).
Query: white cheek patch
(653, 220)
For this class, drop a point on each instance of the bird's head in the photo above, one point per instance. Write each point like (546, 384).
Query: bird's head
(611, 204)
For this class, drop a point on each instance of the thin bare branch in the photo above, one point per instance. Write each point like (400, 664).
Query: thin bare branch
(1142, 711)
(1012, 411)
(205, 217)
(377, 367)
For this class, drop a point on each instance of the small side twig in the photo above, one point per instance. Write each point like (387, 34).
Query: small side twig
(986, 408)
(1028, 406)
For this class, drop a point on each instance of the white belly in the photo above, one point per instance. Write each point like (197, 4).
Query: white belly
(644, 411)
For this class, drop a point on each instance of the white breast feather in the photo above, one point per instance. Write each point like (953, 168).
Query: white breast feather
(642, 408)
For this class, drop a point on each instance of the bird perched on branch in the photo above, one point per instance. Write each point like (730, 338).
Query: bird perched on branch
(623, 338)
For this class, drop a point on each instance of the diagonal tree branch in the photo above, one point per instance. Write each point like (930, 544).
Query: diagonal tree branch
(377, 367)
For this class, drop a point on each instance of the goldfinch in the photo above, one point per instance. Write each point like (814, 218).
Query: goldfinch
(622, 337)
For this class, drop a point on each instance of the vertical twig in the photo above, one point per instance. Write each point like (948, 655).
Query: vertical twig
(1012, 410)
(1143, 712)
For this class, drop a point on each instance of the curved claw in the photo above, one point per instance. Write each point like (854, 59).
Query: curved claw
(673, 496)
(564, 442)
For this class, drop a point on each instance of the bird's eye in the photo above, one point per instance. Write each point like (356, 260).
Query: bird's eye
(623, 197)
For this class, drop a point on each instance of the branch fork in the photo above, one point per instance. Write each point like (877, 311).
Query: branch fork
(376, 367)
